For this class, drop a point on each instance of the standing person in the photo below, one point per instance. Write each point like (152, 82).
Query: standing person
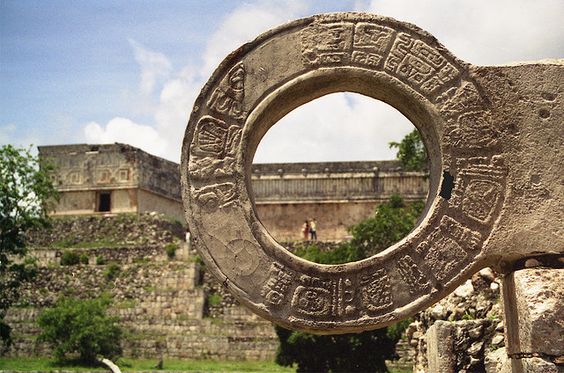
(305, 230)
(313, 229)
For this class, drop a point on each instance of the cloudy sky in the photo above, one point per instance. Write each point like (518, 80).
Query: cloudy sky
(128, 71)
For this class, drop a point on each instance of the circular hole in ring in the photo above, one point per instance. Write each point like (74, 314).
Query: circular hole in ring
(330, 159)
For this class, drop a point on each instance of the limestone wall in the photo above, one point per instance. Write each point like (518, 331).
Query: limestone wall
(149, 201)
(284, 220)
(168, 307)
(161, 304)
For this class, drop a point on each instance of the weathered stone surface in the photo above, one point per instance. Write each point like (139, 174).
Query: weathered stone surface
(534, 309)
(498, 362)
(460, 346)
(494, 194)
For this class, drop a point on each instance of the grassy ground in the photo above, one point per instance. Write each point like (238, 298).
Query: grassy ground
(129, 365)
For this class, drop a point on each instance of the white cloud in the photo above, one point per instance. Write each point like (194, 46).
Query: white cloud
(483, 31)
(244, 24)
(126, 131)
(154, 66)
(335, 127)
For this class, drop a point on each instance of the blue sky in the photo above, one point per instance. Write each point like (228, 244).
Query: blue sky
(128, 71)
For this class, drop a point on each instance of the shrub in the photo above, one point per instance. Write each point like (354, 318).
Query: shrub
(100, 260)
(70, 258)
(84, 259)
(170, 249)
(81, 327)
(214, 299)
(112, 271)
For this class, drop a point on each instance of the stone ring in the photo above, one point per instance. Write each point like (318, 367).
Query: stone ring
(469, 135)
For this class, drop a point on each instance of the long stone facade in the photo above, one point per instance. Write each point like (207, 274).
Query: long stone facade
(118, 178)
(336, 194)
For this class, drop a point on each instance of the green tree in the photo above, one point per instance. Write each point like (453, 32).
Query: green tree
(391, 222)
(411, 152)
(81, 327)
(366, 351)
(25, 191)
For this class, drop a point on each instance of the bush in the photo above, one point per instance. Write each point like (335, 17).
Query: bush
(84, 259)
(81, 327)
(100, 260)
(170, 249)
(362, 352)
(112, 271)
(70, 258)
(214, 299)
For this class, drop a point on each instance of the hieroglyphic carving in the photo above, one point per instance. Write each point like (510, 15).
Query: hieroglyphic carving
(471, 239)
(419, 64)
(371, 43)
(327, 43)
(314, 297)
(375, 291)
(228, 97)
(213, 147)
(363, 44)
(215, 138)
(445, 250)
(462, 98)
(445, 256)
(376, 46)
(416, 281)
(276, 287)
(324, 297)
(480, 187)
(470, 126)
(213, 197)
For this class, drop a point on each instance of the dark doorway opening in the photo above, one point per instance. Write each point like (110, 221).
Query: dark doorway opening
(105, 201)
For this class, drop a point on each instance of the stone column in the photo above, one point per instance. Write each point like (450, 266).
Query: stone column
(533, 302)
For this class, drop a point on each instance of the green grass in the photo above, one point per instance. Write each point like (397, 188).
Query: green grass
(130, 365)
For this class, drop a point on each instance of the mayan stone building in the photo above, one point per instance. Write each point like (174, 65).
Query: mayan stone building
(118, 178)
(113, 178)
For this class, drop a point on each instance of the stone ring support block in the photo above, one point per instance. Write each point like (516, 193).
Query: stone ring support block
(494, 136)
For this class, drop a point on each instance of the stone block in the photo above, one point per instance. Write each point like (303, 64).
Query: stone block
(440, 347)
(534, 309)
(459, 346)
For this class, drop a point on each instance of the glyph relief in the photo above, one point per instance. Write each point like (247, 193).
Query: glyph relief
(412, 275)
(213, 197)
(214, 147)
(275, 290)
(446, 249)
(482, 124)
(376, 46)
(481, 184)
(375, 290)
(228, 98)
(323, 298)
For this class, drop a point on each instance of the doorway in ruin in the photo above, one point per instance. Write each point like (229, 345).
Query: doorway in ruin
(104, 202)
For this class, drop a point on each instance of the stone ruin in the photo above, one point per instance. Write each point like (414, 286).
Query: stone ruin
(494, 138)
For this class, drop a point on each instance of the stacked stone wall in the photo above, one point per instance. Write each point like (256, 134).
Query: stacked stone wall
(162, 302)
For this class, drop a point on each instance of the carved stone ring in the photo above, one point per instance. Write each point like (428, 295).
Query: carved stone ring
(494, 137)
